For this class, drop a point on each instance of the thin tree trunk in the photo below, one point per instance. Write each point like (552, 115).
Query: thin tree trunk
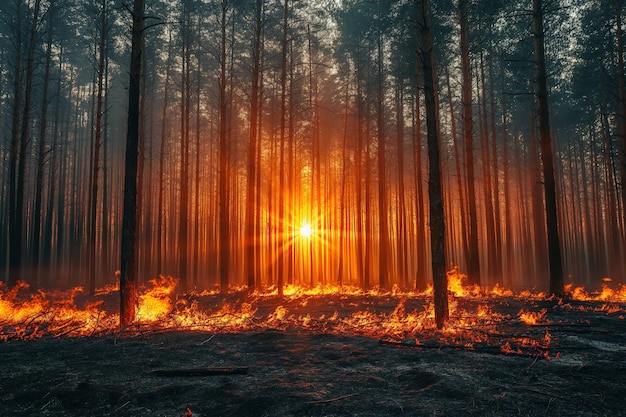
(96, 153)
(487, 190)
(15, 233)
(183, 219)
(162, 147)
(224, 159)
(401, 210)
(473, 262)
(459, 175)
(622, 99)
(421, 270)
(41, 156)
(383, 233)
(251, 238)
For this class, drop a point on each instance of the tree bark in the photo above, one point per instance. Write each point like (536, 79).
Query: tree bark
(128, 273)
(547, 158)
(224, 159)
(473, 263)
(251, 239)
(437, 220)
(97, 146)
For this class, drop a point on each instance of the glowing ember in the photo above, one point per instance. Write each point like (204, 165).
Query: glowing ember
(156, 303)
(532, 317)
(395, 315)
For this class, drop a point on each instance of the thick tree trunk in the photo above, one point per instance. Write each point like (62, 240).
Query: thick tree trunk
(437, 220)
(547, 158)
(128, 276)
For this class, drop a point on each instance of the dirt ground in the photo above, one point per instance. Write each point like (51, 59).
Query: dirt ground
(299, 372)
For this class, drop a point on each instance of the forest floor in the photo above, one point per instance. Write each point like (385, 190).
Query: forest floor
(293, 371)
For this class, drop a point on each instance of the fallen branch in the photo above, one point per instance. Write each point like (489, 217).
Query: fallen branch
(330, 400)
(189, 372)
(492, 350)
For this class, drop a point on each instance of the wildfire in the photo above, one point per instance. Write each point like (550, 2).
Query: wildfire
(532, 317)
(394, 315)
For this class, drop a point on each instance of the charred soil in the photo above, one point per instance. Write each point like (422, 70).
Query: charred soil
(293, 371)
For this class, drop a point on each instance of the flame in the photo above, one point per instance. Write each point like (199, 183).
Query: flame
(606, 293)
(377, 313)
(156, 302)
(532, 317)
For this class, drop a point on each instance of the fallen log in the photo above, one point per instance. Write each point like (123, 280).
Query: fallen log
(193, 372)
(529, 352)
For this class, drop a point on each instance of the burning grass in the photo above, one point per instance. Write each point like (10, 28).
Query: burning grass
(480, 318)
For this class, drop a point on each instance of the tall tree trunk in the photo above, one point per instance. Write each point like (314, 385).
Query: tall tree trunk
(224, 159)
(281, 186)
(547, 158)
(15, 233)
(183, 219)
(437, 220)
(622, 100)
(97, 145)
(459, 175)
(162, 148)
(383, 233)
(487, 190)
(401, 209)
(128, 275)
(473, 262)
(342, 201)
(41, 154)
(497, 273)
(251, 238)
(50, 225)
(421, 270)
(106, 222)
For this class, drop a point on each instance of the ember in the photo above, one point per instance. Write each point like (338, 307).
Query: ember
(394, 316)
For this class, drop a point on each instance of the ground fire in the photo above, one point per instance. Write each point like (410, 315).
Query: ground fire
(314, 351)
(478, 315)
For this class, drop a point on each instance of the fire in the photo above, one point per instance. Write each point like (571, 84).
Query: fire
(396, 315)
(606, 293)
(156, 302)
(532, 317)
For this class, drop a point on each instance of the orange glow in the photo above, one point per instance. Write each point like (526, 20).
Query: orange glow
(395, 315)
(532, 317)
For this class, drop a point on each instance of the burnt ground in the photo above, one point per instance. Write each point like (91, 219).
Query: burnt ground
(300, 372)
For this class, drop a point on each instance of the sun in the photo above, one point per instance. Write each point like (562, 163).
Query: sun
(306, 230)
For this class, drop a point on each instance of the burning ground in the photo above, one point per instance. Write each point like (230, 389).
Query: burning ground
(314, 352)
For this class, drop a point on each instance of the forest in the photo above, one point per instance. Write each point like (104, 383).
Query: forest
(289, 142)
